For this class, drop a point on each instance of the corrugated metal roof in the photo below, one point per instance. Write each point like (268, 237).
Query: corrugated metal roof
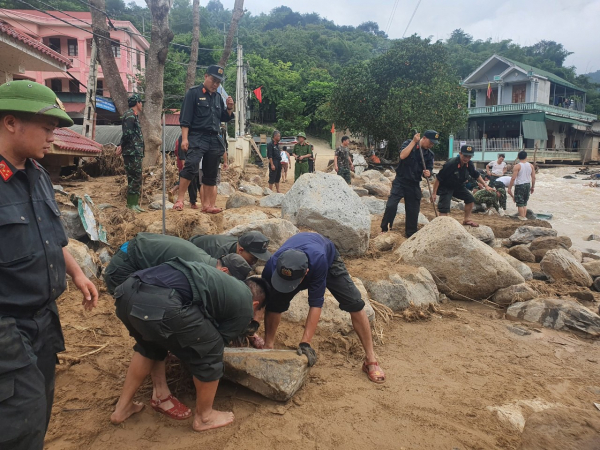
(69, 140)
(111, 134)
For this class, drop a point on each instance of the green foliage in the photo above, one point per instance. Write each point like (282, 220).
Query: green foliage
(290, 113)
(259, 128)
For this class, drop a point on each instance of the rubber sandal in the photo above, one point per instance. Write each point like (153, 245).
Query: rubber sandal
(178, 412)
(194, 206)
(178, 206)
(214, 210)
(471, 223)
(375, 375)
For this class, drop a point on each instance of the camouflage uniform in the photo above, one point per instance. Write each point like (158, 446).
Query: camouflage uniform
(301, 167)
(132, 144)
(343, 164)
(491, 198)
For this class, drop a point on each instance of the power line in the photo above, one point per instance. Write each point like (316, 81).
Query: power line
(411, 18)
(391, 20)
(98, 9)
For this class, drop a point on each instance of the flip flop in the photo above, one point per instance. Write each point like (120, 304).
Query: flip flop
(213, 210)
(178, 412)
(471, 223)
(178, 206)
(375, 375)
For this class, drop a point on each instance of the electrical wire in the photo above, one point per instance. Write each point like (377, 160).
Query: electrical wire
(391, 20)
(411, 18)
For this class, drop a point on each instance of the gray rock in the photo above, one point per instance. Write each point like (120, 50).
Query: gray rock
(225, 189)
(251, 189)
(399, 291)
(426, 195)
(374, 176)
(454, 205)
(84, 257)
(540, 246)
(583, 296)
(422, 220)
(72, 223)
(540, 276)
(239, 199)
(384, 242)
(577, 254)
(520, 267)
(388, 173)
(558, 314)
(272, 201)
(511, 294)
(104, 256)
(277, 230)
(484, 233)
(333, 319)
(593, 237)
(378, 188)
(103, 206)
(522, 253)
(593, 268)
(526, 234)
(233, 218)
(559, 264)
(267, 191)
(597, 284)
(276, 374)
(327, 205)
(158, 205)
(519, 331)
(360, 191)
(374, 205)
(447, 250)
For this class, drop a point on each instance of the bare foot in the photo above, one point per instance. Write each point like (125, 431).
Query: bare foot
(215, 419)
(121, 415)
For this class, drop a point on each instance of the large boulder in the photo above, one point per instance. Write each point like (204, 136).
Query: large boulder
(239, 199)
(225, 189)
(276, 374)
(378, 188)
(250, 188)
(462, 266)
(72, 223)
(235, 217)
(360, 191)
(522, 253)
(512, 294)
(333, 319)
(375, 176)
(484, 233)
(272, 201)
(560, 264)
(375, 205)
(526, 234)
(84, 257)
(593, 268)
(520, 267)
(277, 230)
(558, 314)
(327, 205)
(415, 285)
(540, 246)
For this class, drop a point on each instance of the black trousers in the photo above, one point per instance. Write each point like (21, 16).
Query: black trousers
(27, 375)
(411, 193)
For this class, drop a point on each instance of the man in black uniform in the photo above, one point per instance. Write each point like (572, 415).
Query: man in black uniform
(274, 155)
(450, 182)
(252, 245)
(192, 310)
(202, 112)
(407, 183)
(33, 264)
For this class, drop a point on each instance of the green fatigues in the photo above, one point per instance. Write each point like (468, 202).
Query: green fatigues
(491, 198)
(301, 167)
(216, 245)
(343, 163)
(161, 320)
(32, 276)
(149, 250)
(132, 147)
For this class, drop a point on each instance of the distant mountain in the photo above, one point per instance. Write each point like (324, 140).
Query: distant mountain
(594, 76)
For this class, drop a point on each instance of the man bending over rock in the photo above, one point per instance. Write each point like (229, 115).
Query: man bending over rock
(311, 261)
(252, 245)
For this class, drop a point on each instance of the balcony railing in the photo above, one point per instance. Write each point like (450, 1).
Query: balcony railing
(519, 108)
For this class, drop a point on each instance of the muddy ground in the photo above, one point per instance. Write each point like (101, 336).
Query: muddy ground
(442, 372)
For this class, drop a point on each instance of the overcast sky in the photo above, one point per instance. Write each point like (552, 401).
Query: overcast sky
(573, 23)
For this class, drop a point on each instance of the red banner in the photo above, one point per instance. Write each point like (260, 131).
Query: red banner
(258, 94)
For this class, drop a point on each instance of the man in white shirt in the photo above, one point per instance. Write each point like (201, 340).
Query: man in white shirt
(496, 169)
(523, 179)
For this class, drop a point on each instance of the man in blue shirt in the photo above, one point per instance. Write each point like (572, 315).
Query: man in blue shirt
(311, 261)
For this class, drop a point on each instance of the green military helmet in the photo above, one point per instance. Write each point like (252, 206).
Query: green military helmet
(31, 97)
(301, 134)
(134, 100)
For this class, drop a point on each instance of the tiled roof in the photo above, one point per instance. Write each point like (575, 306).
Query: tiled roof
(172, 119)
(66, 139)
(7, 29)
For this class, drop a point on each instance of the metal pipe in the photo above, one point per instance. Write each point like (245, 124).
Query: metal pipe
(164, 179)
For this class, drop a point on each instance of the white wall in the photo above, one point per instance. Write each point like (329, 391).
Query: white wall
(543, 92)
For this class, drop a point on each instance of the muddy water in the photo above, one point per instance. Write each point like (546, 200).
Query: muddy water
(575, 207)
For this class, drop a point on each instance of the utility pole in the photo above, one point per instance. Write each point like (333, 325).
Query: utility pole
(89, 114)
(240, 95)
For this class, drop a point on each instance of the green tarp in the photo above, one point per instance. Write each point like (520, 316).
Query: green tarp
(535, 130)
(564, 120)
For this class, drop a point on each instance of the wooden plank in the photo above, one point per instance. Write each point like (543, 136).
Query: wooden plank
(256, 149)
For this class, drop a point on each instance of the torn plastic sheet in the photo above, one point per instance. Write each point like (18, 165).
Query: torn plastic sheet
(94, 229)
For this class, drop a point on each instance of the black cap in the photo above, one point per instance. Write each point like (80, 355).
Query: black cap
(237, 265)
(433, 136)
(255, 243)
(291, 268)
(216, 71)
(467, 150)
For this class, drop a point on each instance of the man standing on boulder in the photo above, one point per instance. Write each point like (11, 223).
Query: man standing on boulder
(523, 179)
(202, 112)
(342, 163)
(311, 261)
(303, 152)
(450, 182)
(274, 155)
(407, 184)
(132, 148)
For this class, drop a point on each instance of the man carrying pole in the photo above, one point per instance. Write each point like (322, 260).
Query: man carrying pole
(407, 183)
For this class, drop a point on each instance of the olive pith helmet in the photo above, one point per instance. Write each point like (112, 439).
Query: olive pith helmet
(301, 134)
(31, 97)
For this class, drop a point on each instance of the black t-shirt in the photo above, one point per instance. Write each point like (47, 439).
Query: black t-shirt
(411, 168)
(273, 152)
(455, 174)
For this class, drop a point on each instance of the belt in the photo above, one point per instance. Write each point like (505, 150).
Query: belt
(209, 133)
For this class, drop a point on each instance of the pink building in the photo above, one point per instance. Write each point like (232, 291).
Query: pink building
(76, 44)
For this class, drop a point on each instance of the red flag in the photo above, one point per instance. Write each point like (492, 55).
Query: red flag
(258, 94)
(489, 91)
(333, 128)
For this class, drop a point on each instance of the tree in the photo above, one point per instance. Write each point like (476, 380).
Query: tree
(289, 112)
(161, 36)
(238, 12)
(191, 71)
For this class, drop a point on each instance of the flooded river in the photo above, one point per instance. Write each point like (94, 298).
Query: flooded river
(575, 207)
